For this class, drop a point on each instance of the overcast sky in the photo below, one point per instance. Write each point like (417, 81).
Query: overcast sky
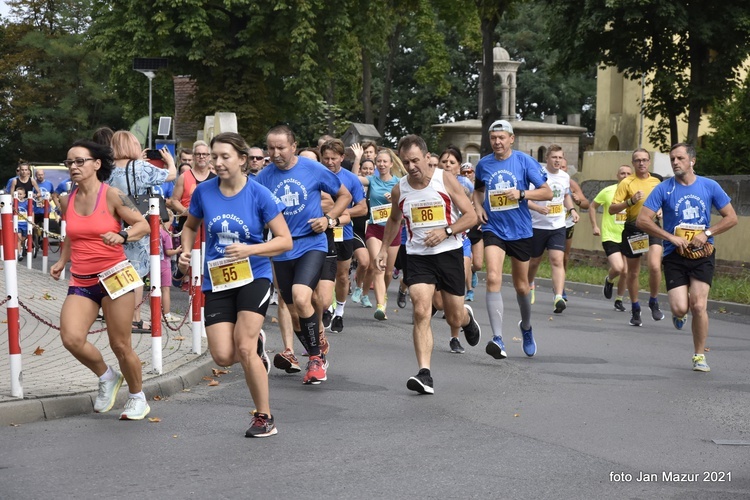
(3, 8)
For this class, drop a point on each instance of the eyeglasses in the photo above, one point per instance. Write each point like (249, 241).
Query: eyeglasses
(257, 158)
(78, 161)
(201, 155)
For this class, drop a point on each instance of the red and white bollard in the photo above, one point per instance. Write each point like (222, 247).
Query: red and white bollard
(196, 306)
(29, 232)
(45, 234)
(11, 291)
(154, 220)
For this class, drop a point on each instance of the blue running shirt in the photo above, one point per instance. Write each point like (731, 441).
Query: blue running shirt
(686, 204)
(299, 190)
(351, 182)
(377, 191)
(237, 219)
(518, 171)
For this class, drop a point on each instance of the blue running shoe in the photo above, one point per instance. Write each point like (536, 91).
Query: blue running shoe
(357, 295)
(679, 322)
(366, 301)
(474, 280)
(529, 344)
(469, 296)
(496, 348)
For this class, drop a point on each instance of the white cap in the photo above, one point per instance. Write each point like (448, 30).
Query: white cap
(501, 126)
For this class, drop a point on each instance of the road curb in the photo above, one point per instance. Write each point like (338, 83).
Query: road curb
(34, 410)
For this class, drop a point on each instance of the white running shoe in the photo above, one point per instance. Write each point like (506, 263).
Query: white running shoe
(105, 400)
(135, 409)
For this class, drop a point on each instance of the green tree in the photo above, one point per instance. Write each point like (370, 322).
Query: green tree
(689, 51)
(52, 80)
(727, 150)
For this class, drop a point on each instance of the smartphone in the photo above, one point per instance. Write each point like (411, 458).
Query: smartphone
(154, 158)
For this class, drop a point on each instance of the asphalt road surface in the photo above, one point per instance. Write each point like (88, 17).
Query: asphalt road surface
(600, 408)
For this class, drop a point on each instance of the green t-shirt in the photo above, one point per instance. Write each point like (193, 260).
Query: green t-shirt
(611, 229)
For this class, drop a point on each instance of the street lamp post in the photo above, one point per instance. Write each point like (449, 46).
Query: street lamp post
(148, 66)
(150, 75)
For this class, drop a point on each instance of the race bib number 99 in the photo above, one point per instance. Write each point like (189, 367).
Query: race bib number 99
(427, 214)
(120, 279)
(499, 201)
(380, 213)
(227, 274)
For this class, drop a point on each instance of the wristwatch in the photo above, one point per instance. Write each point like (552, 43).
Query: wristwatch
(521, 194)
(708, 233)
(330, 220)
(449, 231)
(124, 235)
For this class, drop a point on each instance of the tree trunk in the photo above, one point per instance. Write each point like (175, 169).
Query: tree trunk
(674, 134)
(386, 101)
(367, 86)
(329, 112)
(489, 111)
(699, 56)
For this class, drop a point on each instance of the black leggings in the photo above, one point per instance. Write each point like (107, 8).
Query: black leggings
(302, 271)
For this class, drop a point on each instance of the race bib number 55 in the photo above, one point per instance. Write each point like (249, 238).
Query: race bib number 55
(227, 274)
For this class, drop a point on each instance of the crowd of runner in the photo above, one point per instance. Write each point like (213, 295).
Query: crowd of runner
(310, 227)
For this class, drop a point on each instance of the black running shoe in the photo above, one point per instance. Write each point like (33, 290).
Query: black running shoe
(635, 318)
(472, 332)
(421, 382)
(261, 426)
(327, 317)
(655, 311)
(337, 324)
(401, 301)
(608, 286)
(456, 346)
(619, 306)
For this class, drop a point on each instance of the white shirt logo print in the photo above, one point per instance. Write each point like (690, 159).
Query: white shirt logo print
(288, 198)
(690, 212)
(227, 237)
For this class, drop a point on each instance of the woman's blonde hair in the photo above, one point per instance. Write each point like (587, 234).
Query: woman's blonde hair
(125, 146)
(397, 168)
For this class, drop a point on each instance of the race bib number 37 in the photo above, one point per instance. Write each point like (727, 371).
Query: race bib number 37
(499, 201)
(120, 279)
(427, 214)
(227, 274)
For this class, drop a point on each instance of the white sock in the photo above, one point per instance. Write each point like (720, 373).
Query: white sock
(108, 375)
(139, 395)
(340, 308)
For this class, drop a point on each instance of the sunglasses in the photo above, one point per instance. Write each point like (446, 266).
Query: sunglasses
(257, 158)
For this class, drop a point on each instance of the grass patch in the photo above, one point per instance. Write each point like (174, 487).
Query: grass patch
(724, 287)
